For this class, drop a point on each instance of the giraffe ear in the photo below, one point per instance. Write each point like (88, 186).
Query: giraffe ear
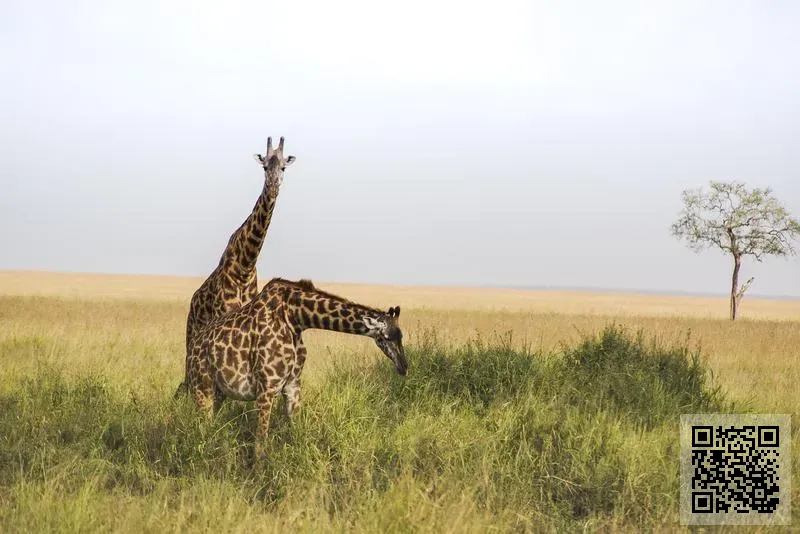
(288, 161)
(259, 158)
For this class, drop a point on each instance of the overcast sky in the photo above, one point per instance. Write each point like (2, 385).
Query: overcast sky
(501, 143)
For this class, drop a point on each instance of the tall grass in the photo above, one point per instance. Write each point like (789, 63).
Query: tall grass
(480, 436)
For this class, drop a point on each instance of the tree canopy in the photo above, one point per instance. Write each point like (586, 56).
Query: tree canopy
(738, 221)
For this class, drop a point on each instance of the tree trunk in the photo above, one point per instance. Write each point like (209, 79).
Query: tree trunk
(737, 263)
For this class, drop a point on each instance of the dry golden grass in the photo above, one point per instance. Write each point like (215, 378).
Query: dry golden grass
(756, 358)
(130, 329)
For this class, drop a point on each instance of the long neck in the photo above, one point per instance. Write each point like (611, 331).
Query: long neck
(245, 243)
(311, 309)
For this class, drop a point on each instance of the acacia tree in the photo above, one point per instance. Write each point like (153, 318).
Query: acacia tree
(738, 221)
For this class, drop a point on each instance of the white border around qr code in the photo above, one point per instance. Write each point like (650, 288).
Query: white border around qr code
(782, 513)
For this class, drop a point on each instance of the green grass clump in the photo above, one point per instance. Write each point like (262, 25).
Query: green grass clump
(474, 437)
(640, 380)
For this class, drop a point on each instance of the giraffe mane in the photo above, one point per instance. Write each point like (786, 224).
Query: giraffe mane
(303, 283)
(306, 285)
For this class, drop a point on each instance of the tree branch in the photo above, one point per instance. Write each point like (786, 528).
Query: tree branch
(744, 288)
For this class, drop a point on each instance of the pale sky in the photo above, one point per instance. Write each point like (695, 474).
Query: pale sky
(438, 142)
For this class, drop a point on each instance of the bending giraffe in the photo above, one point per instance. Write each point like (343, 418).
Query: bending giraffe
(234, 282)
(257, 351)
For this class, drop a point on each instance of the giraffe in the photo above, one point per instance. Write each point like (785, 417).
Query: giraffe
(234, 281)
(257, 351)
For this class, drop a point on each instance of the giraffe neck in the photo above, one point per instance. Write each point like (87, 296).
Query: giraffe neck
(311, 308)
(245, 243)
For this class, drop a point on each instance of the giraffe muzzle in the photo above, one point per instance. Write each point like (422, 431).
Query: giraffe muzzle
(400, 363)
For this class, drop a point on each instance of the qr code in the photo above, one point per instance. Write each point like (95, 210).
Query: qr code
(735, 469)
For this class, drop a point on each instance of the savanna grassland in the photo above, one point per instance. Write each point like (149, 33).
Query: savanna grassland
(522, 411)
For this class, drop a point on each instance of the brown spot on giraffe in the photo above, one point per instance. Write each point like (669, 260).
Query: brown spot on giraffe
(229, 374)
(234, 281)
(231, 357)
(274, 360)
(237, 337)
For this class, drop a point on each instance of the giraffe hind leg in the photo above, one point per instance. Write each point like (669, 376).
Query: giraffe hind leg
(219, 398)
(182, 390)
(200, 386)
(204, 400)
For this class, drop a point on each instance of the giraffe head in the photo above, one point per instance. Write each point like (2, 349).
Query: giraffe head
(274, 163)
(388, 336)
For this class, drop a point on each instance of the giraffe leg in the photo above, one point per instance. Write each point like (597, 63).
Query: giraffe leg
(199, 382)
(185, 386)
(264, 401)
(291, 394)
(204, 400)
(182, 389)
(268, 384)
(291, 391)
(219, 398)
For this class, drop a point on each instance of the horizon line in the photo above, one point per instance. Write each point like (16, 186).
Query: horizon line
(521, 287)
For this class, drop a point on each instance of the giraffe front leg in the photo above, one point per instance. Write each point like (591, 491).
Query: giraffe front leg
(291, 391)
(264, 401)
(291, 394)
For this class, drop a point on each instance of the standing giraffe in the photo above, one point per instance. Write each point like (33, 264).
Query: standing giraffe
(256, 351)
(234, 282)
